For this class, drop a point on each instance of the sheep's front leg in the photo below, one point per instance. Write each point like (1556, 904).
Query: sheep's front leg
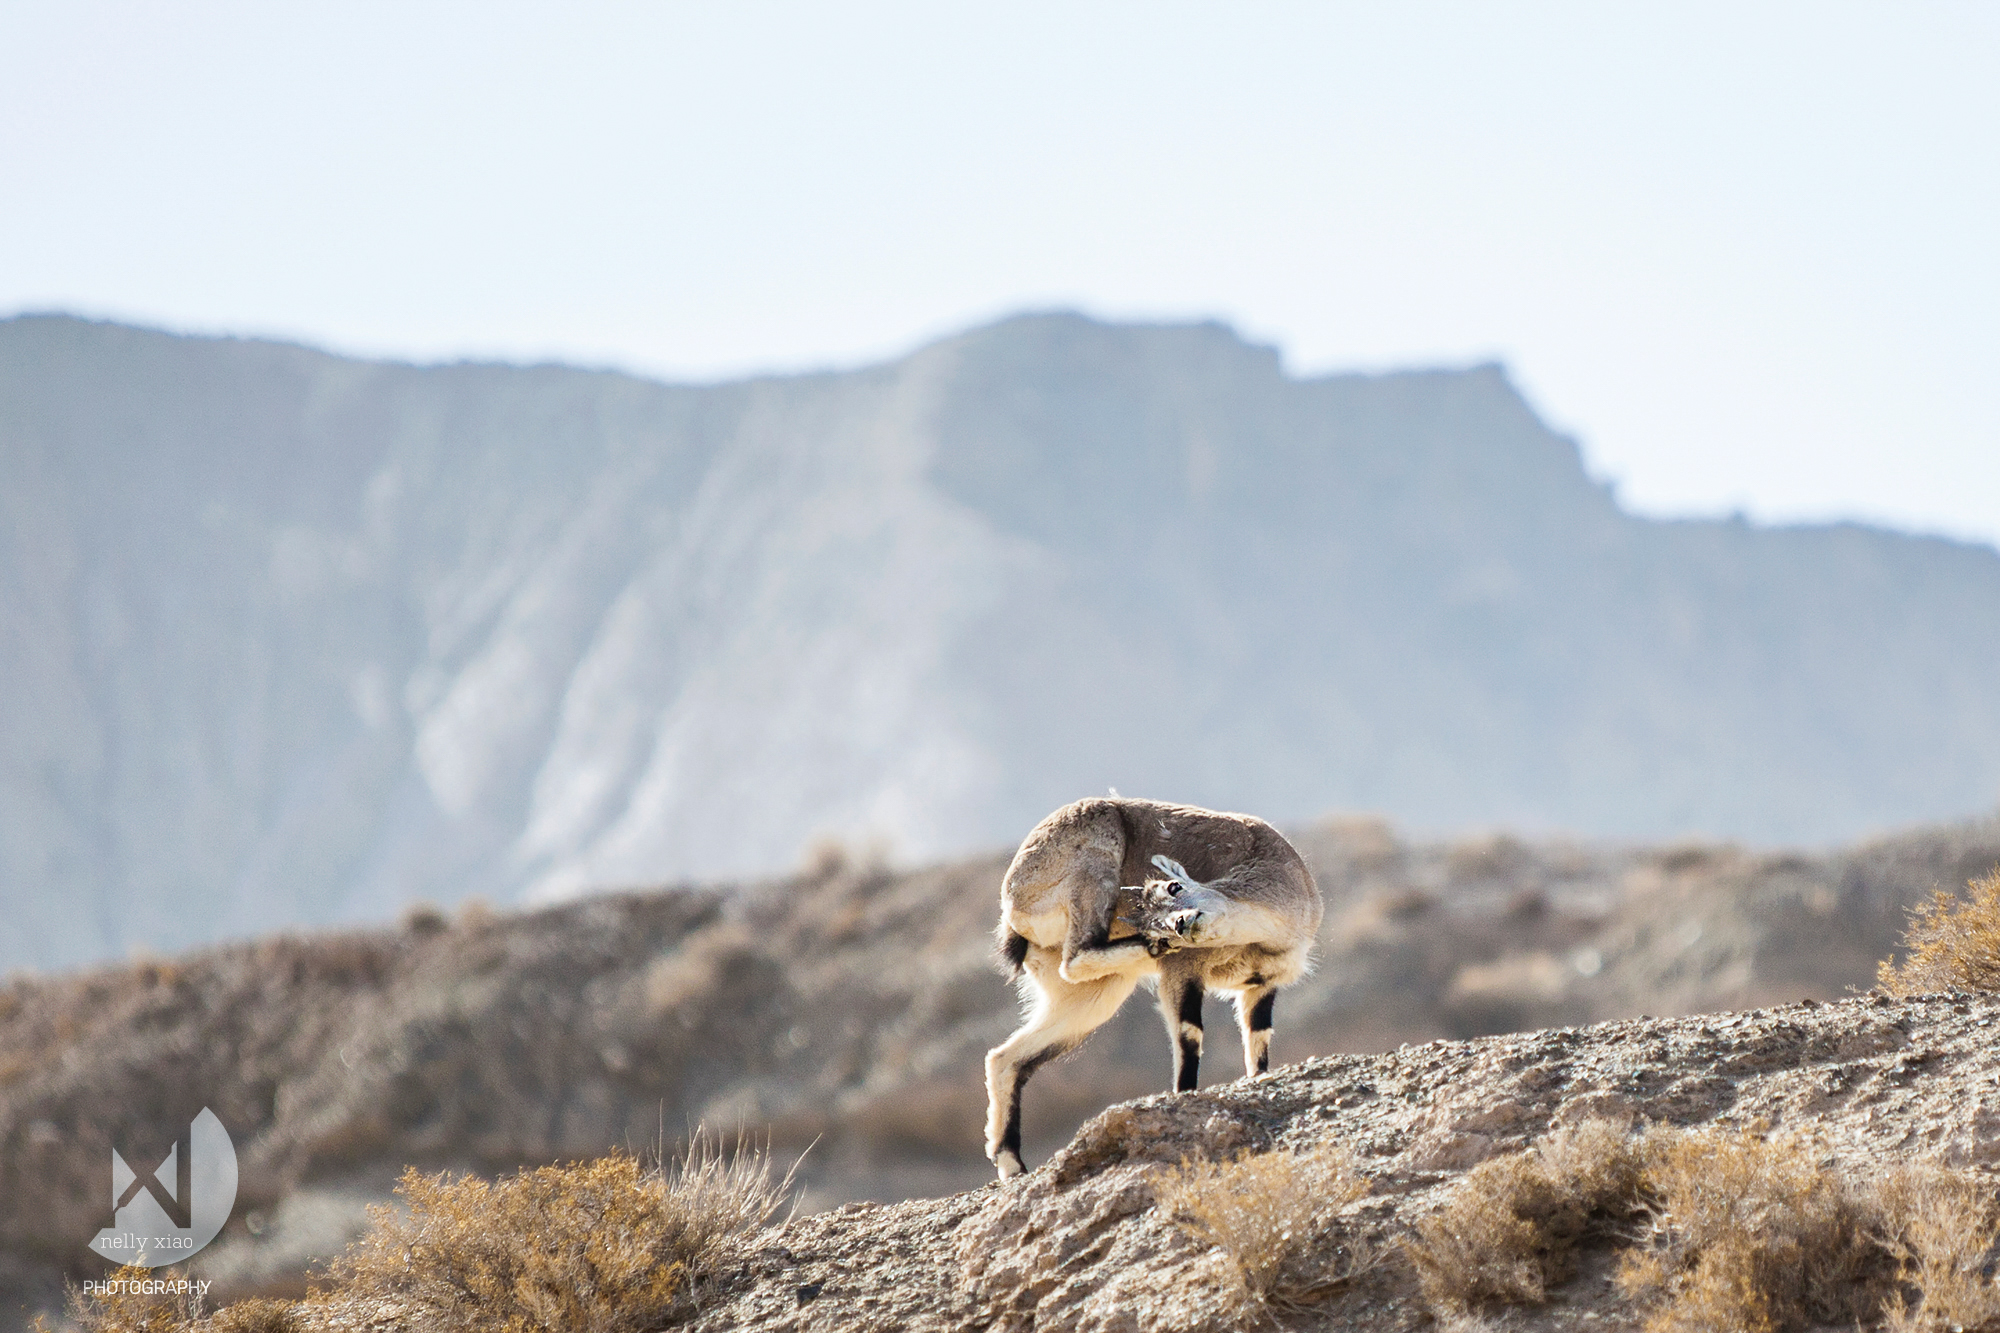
(1089, 953)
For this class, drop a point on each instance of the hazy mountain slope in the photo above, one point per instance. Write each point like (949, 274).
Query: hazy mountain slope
(293, 638)
(1404, 593)
(308, 637)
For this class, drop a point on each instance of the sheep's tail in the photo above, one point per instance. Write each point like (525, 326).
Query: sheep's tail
(1010, 950)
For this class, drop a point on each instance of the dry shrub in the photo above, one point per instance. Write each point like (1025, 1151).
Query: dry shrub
(607, 1245)
(1750, 1233)
(1943, 1230)
(255, 1316)
(1272, 1214)
(1951, 943)
(1723, 1230)
(1510, 1231)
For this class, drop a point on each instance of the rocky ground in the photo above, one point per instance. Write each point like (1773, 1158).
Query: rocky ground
(847, 1008)
(1081, 1244)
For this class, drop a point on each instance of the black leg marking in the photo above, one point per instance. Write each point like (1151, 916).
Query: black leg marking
(1257, 1040)
(1187, 1050)
(1010, 1138)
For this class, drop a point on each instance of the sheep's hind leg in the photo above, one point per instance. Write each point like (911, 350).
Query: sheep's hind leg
(1064, 1014)
(1253, 1015)
(1181, 992)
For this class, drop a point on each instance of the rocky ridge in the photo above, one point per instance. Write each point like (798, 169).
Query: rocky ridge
(1081, 1245)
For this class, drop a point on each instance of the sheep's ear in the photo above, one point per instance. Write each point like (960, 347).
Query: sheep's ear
(1175, 870)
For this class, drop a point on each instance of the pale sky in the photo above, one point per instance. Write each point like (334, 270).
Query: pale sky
(1745, 253)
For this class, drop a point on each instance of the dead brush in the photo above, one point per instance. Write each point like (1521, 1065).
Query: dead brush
(1951, 943)
(1723, 1230)
(1750, 1233)
(1272, 1215)
(1943, 1230)
(256, 1315)
(1512, 1229)
(610, 1245)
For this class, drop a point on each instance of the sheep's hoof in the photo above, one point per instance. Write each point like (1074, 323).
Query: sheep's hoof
(1007, 1164)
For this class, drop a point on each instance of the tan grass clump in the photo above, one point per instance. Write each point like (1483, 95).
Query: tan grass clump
(1752, 1233)
(1952, 943)
(1510, 1231)
(1272, 1214)
(608, 1245)
(256, 1315)
(1943, 1229)
(1721, 1230)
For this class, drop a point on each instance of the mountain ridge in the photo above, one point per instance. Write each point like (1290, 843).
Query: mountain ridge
(295, 638)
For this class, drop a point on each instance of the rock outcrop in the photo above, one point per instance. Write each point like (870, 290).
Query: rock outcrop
(1082, 1245)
